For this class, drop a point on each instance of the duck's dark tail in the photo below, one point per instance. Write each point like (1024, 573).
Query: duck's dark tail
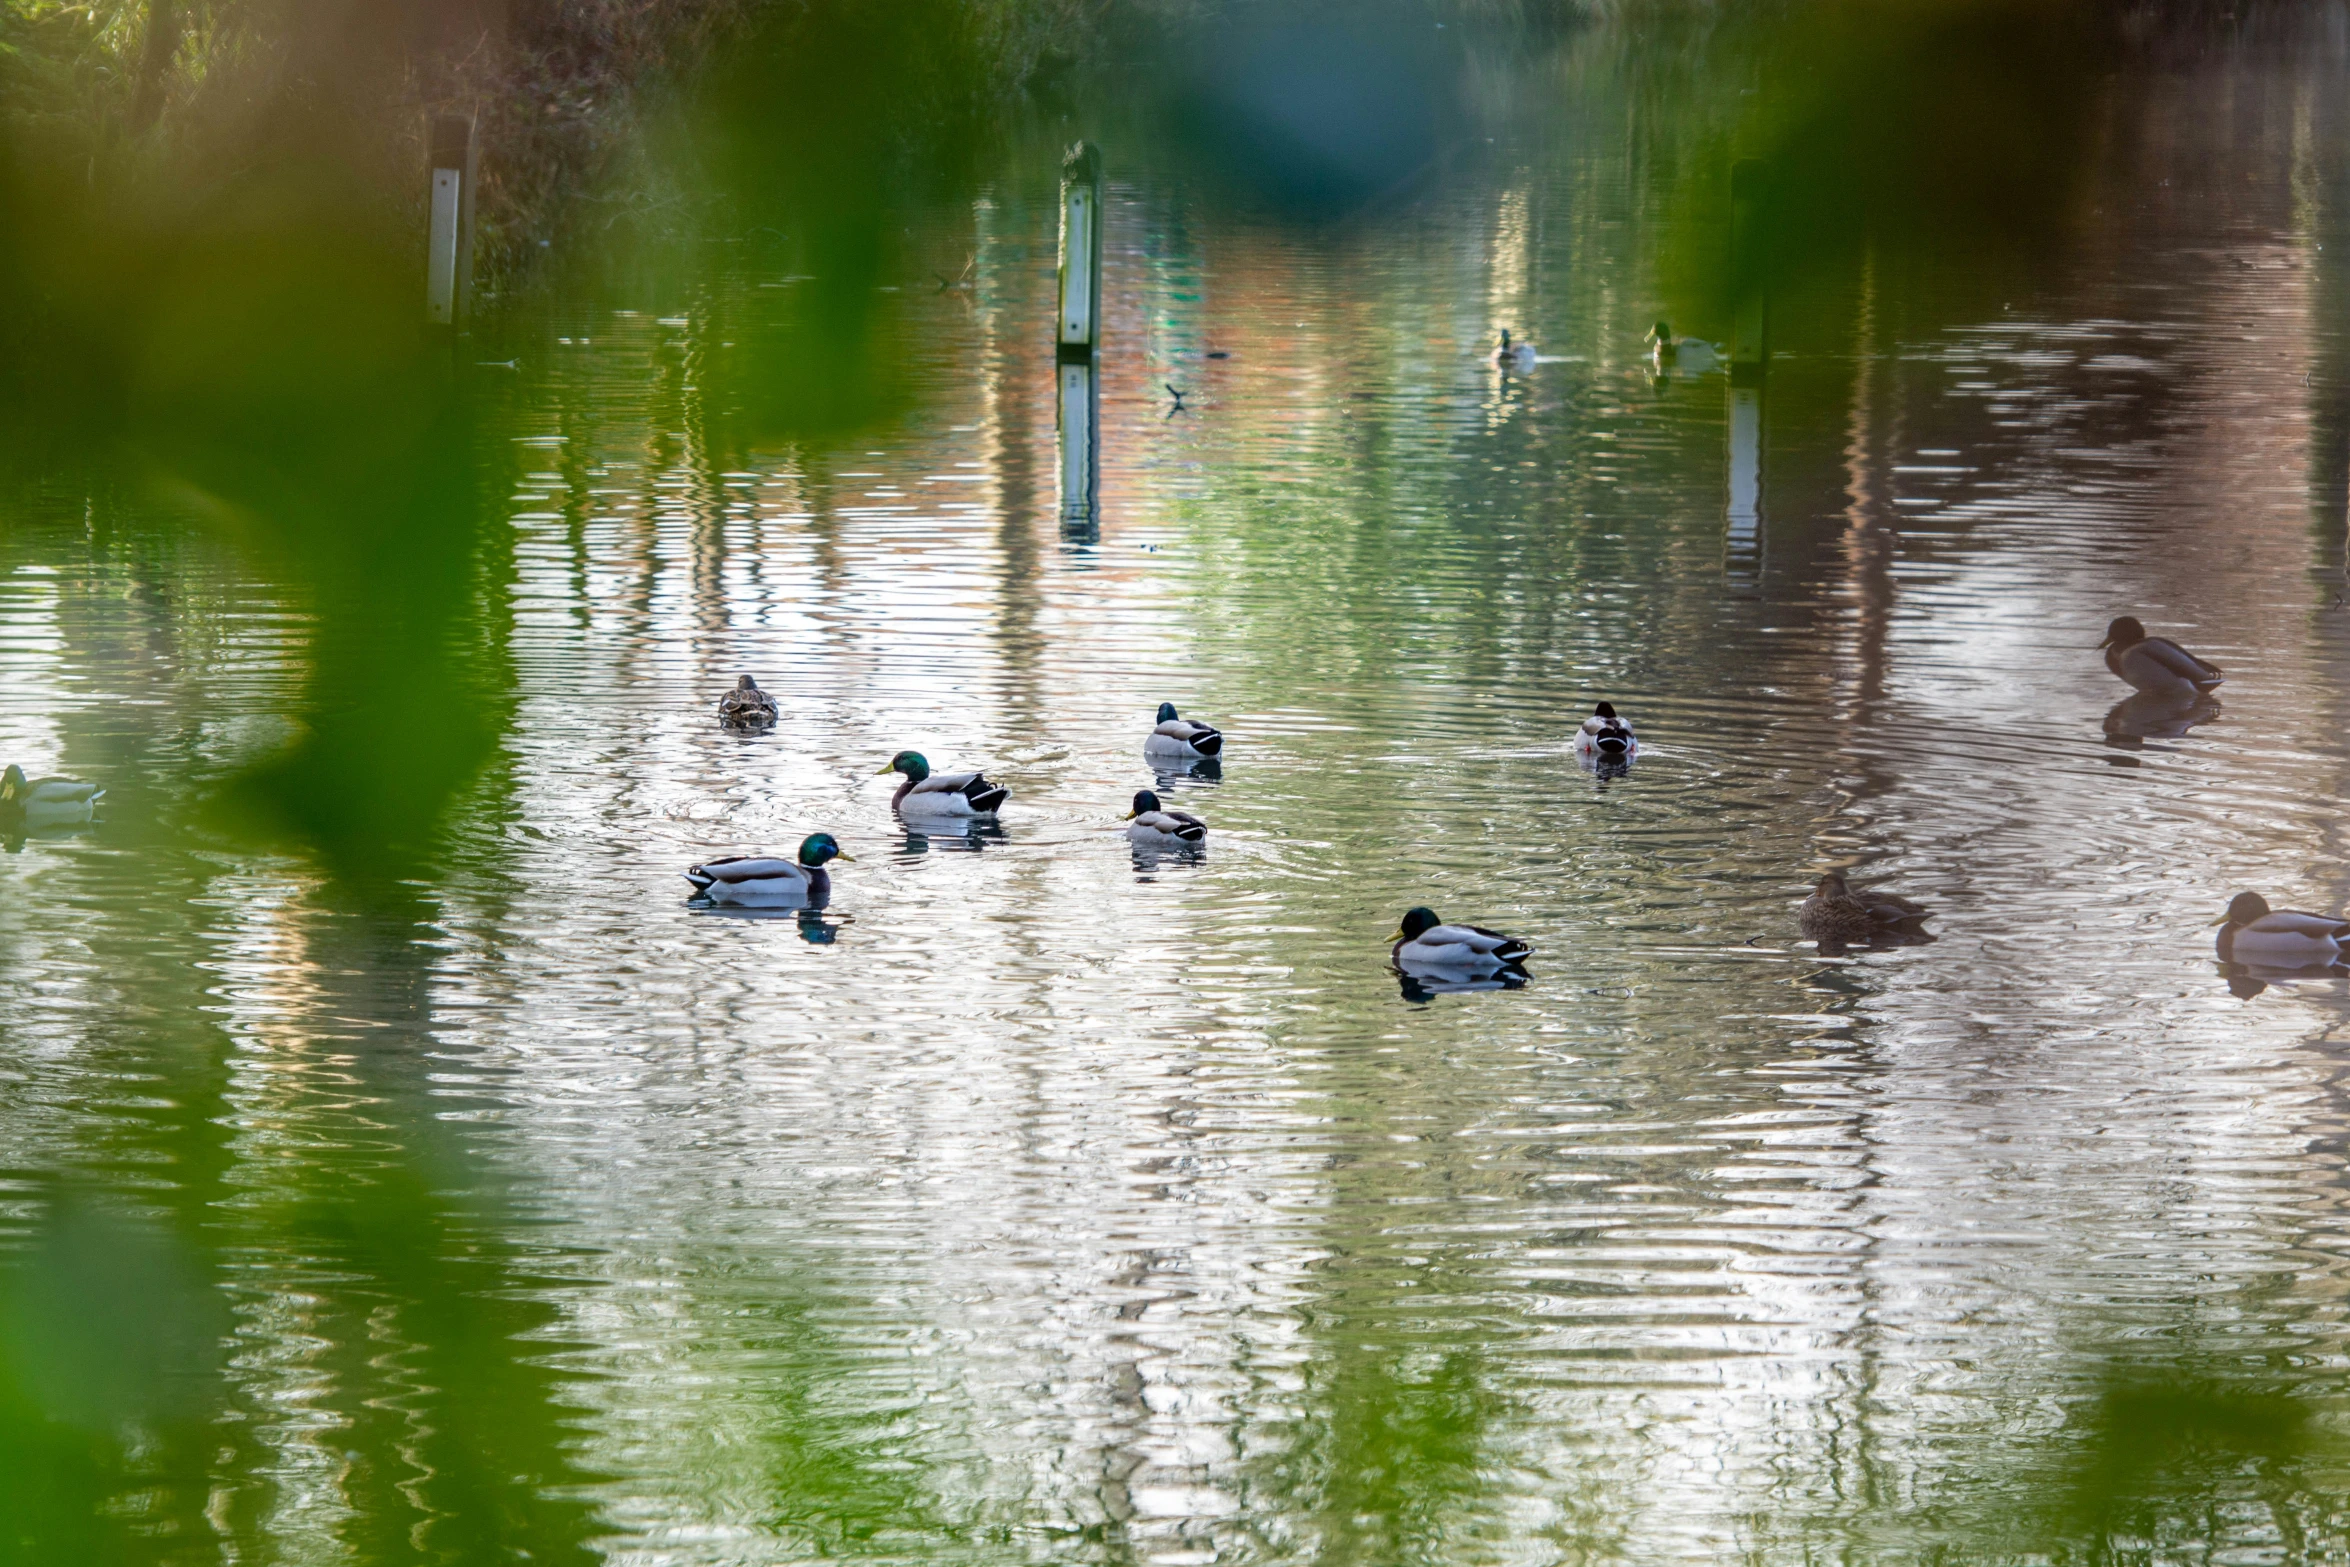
(1192, 832)
(985, 796)
(1208, 744)
(1514, 952)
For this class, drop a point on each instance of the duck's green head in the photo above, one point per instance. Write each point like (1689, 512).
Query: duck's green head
(1144, 800)
(1416, 922)
(2124, 632)
(13, 786)
(1660, 333)
(1167, 714)
(911, 763)
(819, 847)
(2243, 909)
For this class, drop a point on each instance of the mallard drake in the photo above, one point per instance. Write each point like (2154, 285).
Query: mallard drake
(753, 878)
(1177, 736)
(746, 705)
(1425, 942)
(1680, 353)
(1606, 737)
(2252, 932)
(1835, 913)
(925, 793)
(1157, 827)
(1513, 356)
(2155, 664)
(46, 802)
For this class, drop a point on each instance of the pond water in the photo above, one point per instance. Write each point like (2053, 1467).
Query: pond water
(1033, 1203)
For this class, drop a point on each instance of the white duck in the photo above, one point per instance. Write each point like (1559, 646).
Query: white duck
(46, 802)
(1689, 355)
(929, 794)
(1425, 942)
(1156, 827)
(1176, 736)
(2252, 932)
(761, 879)
(1606, 737)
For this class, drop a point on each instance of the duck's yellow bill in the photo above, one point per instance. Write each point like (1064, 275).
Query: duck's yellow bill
(1398, 936)
(1129, 816)
(2222, 920)
(846, 858)
(890, 768)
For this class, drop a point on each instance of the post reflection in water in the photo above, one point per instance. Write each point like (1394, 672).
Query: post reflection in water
(1746, 534)
(1037, 1204)
(1078, 430)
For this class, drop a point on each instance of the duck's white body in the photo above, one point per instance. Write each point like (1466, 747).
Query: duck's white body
(1606, 739)
(2286, 938)
(949, 795)
(1456, 949)
(1688, 355)
(56, 802)
(1181, 737)
(755, 880)
(1166, 830)
(2160, 667)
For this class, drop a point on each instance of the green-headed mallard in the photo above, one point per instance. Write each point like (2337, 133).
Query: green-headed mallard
(1177, 736)
(746, 706)
(1513, 356)
(2252, 932)
(1154, 826)
(1424, 942)
(46, 802)
(753, 878)
(925, 793)
(2155, 664)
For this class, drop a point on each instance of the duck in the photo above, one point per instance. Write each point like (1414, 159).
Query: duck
(925, 793)
(746, 705)
(756, 878)
(1154, 826)
(2156, 665)
(1835, 913)
(2252, 932)
(1605, 736)
(1423, 941)
(1178, 736)
(1680, 353)
(46, 802)
(1513, 356)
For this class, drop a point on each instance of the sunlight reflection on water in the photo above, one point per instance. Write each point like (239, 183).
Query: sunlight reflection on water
(1032, 1199)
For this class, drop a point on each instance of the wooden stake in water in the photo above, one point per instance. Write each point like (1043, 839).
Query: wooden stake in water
(1750, 292)
(448, 255)
(1077, 333)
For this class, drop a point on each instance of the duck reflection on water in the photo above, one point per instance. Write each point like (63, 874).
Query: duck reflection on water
(2155, 715)
(1428, 986)
(971, 836)
(1168, 771)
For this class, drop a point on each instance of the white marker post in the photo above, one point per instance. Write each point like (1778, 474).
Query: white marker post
(448, 255)
(1078, 331)
(1077, 341)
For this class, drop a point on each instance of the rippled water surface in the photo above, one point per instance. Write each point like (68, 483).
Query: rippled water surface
(1034, 1203)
